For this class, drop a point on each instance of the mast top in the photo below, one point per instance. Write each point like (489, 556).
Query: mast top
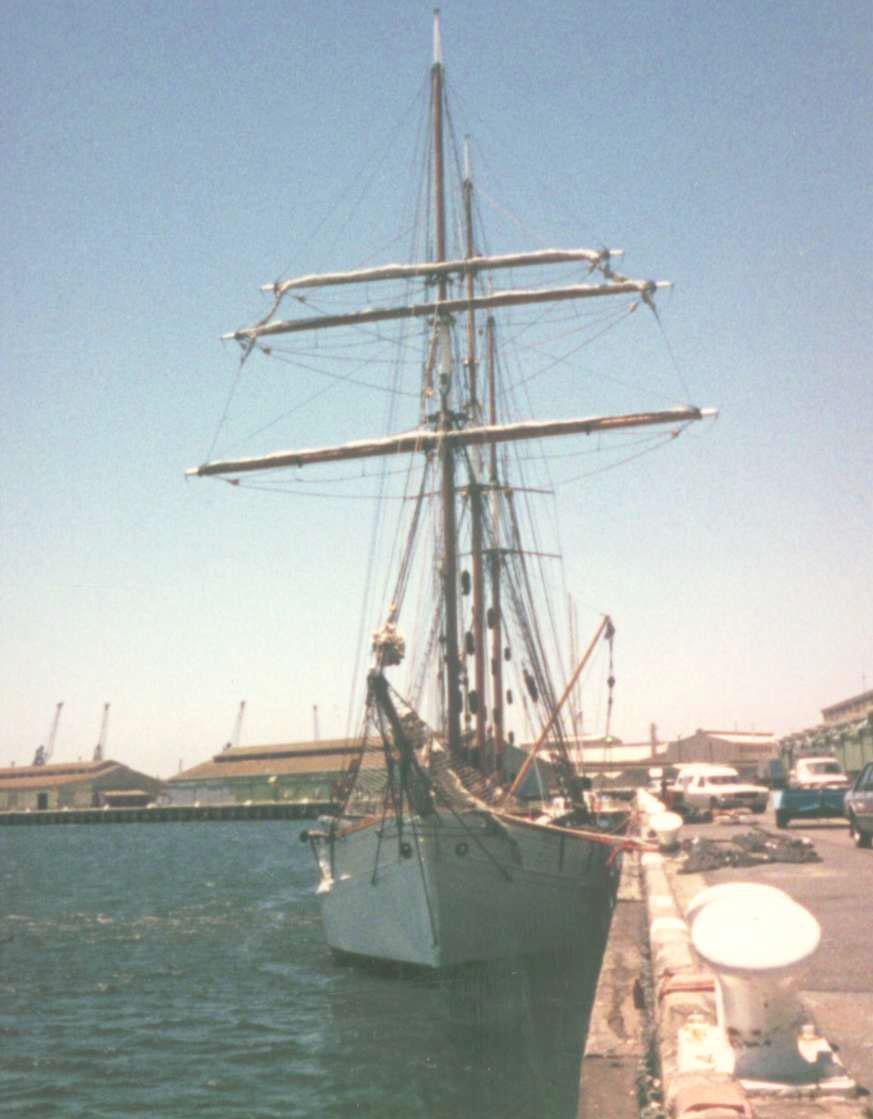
(437, 41)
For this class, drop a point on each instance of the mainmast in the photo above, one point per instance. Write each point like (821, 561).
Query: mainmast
(446, 451)
(496, 619)
(478, 709)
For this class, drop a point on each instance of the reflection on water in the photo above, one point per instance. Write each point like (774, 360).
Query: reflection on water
(496, 1040)
(180, 970)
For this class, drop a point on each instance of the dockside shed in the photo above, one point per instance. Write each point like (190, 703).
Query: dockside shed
(72, 785)
(743, 749)
(294, 771)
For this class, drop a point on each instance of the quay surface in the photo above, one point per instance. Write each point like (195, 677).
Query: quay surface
(616, 1045)
(170, 813)
(648, 988)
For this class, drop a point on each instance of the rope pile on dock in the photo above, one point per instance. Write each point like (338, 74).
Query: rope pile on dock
(751, 848)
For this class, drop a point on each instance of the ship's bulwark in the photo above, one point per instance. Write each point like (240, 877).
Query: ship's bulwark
(454, 889)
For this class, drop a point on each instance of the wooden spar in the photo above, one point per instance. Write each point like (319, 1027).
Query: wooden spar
(494, 559)
(472, 365)
(574, 701)
(431, 269)
(429, 441)
(604, 627)
(439, 175)
(475, 492)
(510, 298)
(445, 449)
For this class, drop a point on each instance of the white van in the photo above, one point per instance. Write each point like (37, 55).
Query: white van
(705, 787)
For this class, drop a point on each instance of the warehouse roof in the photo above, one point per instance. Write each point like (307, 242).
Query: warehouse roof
(45, 776)
(332, 754)
(740, 736)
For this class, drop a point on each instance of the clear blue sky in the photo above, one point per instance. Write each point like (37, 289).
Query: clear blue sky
(162, 160)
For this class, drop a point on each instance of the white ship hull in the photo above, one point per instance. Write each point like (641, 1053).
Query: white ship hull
(454, 889)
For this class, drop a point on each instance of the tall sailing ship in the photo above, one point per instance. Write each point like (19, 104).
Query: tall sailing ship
(434, 859)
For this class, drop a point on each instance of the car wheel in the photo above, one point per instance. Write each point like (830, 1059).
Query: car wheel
(861, 838)
(782, 819)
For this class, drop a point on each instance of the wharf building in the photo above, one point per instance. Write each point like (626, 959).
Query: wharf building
(297, 772)
(607, 760)
(92, 784)
(610, 762)
(846, 732)
(742, 749)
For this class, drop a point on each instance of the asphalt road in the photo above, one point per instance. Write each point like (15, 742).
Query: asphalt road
(838, 986)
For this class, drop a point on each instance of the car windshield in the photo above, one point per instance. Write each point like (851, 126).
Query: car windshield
(824, 767)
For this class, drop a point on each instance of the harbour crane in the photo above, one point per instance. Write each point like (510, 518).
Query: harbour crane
(43, 753)
(101, 741)
(237, 727)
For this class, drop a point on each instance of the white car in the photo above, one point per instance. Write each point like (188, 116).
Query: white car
(818, 773)
(709, 787)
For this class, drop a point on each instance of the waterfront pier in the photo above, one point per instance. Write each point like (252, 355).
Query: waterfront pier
(658, 1045)
(170, 813)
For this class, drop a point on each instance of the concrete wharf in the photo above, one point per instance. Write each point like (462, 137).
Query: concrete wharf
(171, 813)
(631, 1066)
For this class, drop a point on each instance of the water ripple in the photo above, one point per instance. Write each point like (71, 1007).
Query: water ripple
(179, 970)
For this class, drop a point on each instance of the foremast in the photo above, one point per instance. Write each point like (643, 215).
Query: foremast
(445, 420)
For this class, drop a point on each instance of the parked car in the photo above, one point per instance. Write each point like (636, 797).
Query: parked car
(810, 802)
(816, 790)
(705, 788)
(816, 773)
(859, 807)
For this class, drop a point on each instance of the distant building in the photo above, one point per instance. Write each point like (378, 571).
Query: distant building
(608, 761)
(743, 749)
(74, 785)
(846, 731)
(295, 771)
(847, 710)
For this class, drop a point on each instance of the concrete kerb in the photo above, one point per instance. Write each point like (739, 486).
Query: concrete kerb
(695, 1059)
(684, 1007)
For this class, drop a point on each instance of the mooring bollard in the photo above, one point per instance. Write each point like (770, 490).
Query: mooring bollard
(665, 826)
(758, 942)
(750, 891)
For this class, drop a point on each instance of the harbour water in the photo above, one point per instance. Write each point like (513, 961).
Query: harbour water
(179, 970)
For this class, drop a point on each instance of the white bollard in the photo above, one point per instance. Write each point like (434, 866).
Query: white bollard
(746, 890)
(757, 940)
(666, 827)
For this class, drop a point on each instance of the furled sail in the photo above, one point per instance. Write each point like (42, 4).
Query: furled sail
(428, 441)
(448, 307)
(469, 265)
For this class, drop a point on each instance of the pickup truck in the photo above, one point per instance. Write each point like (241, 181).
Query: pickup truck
(816, 790)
